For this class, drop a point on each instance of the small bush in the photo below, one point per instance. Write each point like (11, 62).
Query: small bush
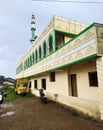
(87, 117)
(29, 94)
(74, 112)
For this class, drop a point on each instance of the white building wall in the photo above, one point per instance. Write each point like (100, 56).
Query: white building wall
(83, 88)
(100, 79)
(86, 106)
(60, 85)
(87, 100)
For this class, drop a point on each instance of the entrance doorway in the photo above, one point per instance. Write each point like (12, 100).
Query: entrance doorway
(44, 84)
(74, 85)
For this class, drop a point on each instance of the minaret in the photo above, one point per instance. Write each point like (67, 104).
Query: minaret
(33, 29)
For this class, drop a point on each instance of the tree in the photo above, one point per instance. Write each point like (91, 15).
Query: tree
(2, 78)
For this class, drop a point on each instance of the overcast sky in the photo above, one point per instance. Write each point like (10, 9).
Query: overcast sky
(15, 24)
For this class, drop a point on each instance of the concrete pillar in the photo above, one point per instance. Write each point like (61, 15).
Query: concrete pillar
(99, 63)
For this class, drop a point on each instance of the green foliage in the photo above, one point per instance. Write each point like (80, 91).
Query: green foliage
(74, 112)
(88, 117)
(10, 93)
(29, 94)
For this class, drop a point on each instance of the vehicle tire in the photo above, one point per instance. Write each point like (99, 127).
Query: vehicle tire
(16, 93)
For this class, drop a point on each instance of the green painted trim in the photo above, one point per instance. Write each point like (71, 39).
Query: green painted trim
(90, 26)
(77, 61)
(65, 65)
(68, 33)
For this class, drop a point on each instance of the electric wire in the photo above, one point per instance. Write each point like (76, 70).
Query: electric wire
(71, 1)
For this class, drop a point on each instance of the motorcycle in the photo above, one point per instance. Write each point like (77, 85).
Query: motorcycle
(42, 96)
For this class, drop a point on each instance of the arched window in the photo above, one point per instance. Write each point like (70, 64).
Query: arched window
(30, 61)
(33, 57)
(50, 44)
(26, 63)
(36, 56)
(39, 52)
(59, 40)
(44, 49)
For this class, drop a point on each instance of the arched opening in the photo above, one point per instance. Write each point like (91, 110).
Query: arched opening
(40, 53)
(33, 57)
(26, 63)
(59, 40)
(30, 61)
(44, 49)
(36, 56)
(50, 44)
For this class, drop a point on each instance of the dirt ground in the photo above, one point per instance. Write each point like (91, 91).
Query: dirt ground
(31, 114)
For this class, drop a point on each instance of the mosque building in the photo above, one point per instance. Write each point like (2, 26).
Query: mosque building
(66, 60)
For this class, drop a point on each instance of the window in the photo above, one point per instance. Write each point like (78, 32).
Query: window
(50, 44)
(93, 80)
(30, 84)
(59, 40)
(26, 63)
(43, 83)
(22, 85)
(74, 90)
(52, 76)
(35, 84)
(33, 58)
(40, 53)
(44, 48)
(30, 61)
(36, 56)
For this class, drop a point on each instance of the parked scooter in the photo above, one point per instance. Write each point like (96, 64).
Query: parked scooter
(3, 92)
(42, 96)
(1, 99)
(2, 95)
